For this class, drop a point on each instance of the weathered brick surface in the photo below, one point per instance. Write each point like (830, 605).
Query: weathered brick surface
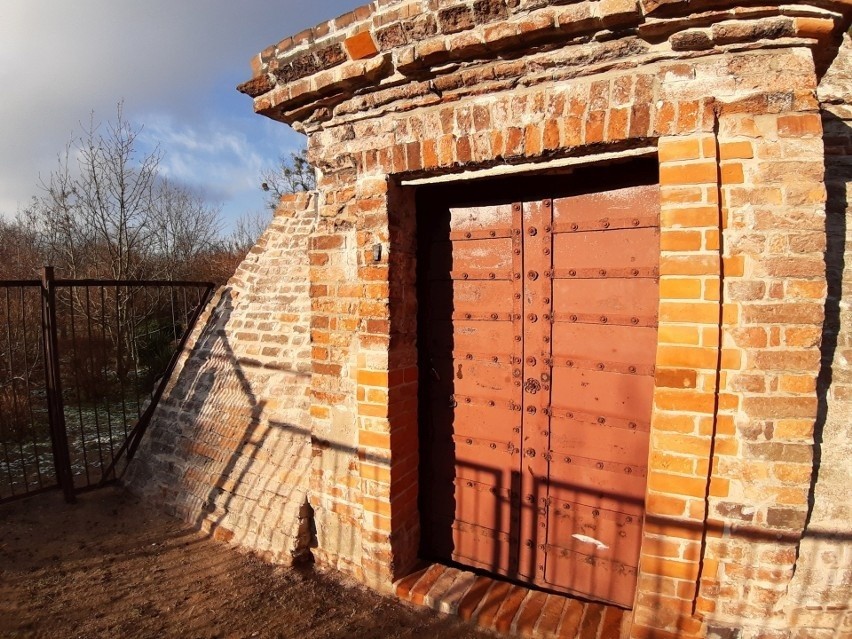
(229, 448)
(820, 590)
(737, 540)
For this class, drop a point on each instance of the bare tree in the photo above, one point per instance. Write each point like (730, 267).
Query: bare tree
(184, 229)
(247, 230)
(106, 212)
(20, 248)
(293, 174)
(96, 217)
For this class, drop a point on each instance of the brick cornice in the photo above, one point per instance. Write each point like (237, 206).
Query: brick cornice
(394, 42)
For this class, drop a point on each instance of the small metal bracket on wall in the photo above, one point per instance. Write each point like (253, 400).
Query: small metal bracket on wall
(377, 252)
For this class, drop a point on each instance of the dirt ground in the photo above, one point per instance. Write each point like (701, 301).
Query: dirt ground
(109, 566)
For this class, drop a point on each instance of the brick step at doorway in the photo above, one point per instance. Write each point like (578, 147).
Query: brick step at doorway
(510, 609)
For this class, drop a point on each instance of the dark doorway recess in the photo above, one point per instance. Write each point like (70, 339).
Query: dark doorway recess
(538, 303)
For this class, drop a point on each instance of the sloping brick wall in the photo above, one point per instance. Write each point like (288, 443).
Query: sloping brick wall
(229, 448)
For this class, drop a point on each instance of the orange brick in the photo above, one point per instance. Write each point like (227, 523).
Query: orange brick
(669, 567)
(372, 439)
(530, 612)
(683, 444)
(697, 216)
(533, 139)
(320, 412)
(689, 312)
(798, 383)
(732, 173)
(430, 154)
(572, 615)
(509, 608)
(708, 146)
(711, 240)
(675, 149)
(375, 472)
(798, 126)
(678, 334)
(719, 487)
(617, 127)
(687, 357)
(687, 116)
(711, 290)
(702, 172)
(372, 378)
(611, 627)
(671, 288)
(491, 603)
(734, 266)
(673, 422)
(551, 135)
(658, 504)
(680, 241)
(595, 127)
(591, 621)
(425, 582)
(794, 429)
(676, 377)
(689, 265)
(664, 461)
(665, 118)
(681, 195)
(474, 596)
(736, 151)
(377, 506)
(677, 484)
(551, 614)
(373, 410)
(795, 474)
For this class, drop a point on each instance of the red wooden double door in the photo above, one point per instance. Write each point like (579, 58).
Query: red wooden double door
(539, 322)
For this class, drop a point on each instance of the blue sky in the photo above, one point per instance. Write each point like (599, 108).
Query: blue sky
(174, 64)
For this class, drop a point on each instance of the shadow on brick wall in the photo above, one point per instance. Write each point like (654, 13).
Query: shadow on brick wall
(838, 176)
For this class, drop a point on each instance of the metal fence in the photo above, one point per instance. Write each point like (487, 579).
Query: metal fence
(82, 366)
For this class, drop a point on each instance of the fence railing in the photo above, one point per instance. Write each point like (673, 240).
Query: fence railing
(82, 366)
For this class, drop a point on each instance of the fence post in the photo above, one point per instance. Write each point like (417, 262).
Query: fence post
(55, 406)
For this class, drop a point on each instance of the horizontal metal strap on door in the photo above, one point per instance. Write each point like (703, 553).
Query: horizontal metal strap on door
(481, 531)
(483, 274)
(574, 510)
(603, 273)
(491, 358)
(484, 316)
(614, 565)
(499, 447)
(481, 234)
(608, 224)
(569, 361)
(630, 470)
(605, 421)
(501, 493)
(600, 318)
(485, 402)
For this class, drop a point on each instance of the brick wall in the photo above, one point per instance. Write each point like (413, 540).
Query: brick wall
(739, 542)
(229, 448)
(819, 591)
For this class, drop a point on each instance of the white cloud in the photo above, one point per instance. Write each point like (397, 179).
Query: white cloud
(175, 64)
